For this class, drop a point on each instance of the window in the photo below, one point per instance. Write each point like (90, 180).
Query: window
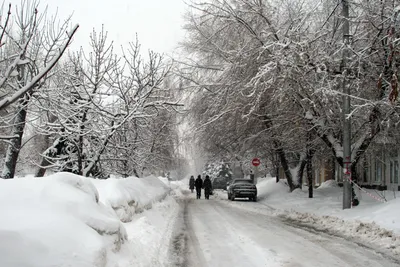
(338, 173)
(366, 173)
(391, 171)
(365, 170)
(394, 171)
(378, 170)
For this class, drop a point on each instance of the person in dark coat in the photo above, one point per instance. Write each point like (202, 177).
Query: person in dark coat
(191, 183)
(198, 184)
(207, 187)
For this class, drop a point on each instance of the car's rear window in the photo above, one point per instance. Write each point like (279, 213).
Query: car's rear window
(242, 181)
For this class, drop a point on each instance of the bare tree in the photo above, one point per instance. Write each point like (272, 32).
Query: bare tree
(146, 141)
(229, 48)
(29, 56)
(273, 71)
(103, 106)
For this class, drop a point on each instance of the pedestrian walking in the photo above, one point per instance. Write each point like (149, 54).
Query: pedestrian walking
(198, 185)
(191, 183)
(207, 187)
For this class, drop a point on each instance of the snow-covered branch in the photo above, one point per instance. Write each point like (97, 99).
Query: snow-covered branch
(5, 102)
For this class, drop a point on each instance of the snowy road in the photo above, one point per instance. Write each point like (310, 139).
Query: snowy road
(213, 233)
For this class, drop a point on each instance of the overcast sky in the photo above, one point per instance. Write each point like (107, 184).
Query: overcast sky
(157, 22)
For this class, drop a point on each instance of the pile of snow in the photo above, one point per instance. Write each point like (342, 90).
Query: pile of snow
(269, 187)
(329, 184)
(131, 195)
(372, 221)
(164, 180)
(55, 221)
(150, 234)
(180, 188)
(69, 220)
(358, 230)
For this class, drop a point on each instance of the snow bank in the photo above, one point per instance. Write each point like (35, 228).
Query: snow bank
(359, 230)
(372, 221)
(69, 220)
(149, 246)
(164, 180)
(269, 187)
(131, 195)
(328, 184)
(55, 221)
(180, 188)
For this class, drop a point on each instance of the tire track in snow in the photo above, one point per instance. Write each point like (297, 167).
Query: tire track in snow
(316, 229)
(180, 238)
(183, 252)
(325, 239)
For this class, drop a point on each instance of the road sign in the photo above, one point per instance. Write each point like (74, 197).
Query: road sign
(256, 162)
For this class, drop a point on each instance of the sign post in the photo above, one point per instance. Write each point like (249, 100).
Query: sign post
(255, 162)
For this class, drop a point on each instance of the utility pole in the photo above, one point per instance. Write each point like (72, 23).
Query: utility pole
(347, 188)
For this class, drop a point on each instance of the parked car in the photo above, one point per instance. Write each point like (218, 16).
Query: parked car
(242, 188)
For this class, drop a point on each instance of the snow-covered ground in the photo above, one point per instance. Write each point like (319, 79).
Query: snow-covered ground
(372, 221)
(149, 235)
(221, 235)
(68, 220)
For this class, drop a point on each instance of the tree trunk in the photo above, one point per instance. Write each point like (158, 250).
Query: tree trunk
(286, 169)
(303, 163)
(277, 173)
(136, 173)
(275, 163)
(354, 178)
(15, 146)
(125, 168)
(333, 166)
(281, 155)
(50, 152)
(94, 161)
(42, 169)
(310, 154)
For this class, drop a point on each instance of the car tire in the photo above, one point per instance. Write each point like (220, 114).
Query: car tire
(254, 199)
(229, 196)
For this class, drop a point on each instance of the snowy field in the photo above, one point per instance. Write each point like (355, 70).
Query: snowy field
(68, 220)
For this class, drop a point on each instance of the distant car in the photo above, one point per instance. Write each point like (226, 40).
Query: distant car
(211, 190)
(242, 188)
(218, 183)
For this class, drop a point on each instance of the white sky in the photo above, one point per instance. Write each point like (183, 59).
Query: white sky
(158, 23)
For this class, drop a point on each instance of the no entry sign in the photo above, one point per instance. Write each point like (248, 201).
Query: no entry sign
(256, 162)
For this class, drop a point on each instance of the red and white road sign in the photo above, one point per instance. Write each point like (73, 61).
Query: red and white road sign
(256, 162)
